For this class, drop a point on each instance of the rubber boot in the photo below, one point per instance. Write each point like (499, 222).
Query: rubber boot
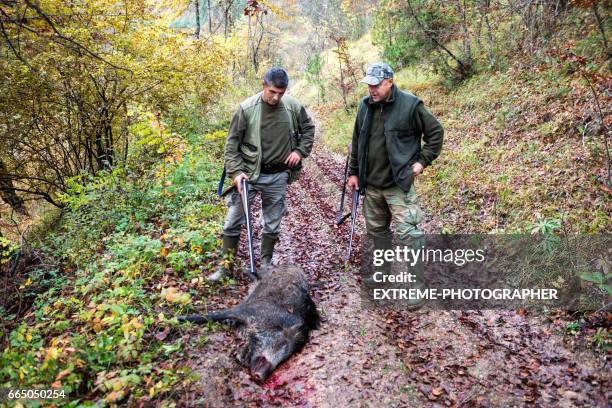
(378, 244)
(228, 254)
(383, 244)
(267, 249)
(415, 242)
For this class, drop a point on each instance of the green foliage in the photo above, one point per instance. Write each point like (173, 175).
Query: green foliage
(8, 250)
(417, 79)
(601, 277)
(574, 327)
(546, 226)
(491, 137)
(313, 76)
(124, 231)
(85, 80)
(602, 281)
(602, 339)
(338, 130)
(402, 39)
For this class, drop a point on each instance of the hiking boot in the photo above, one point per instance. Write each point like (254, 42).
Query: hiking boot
(414, 304)
(374, 243)
(417, 270)
(228, 252)
(267, 249)
(382, 244)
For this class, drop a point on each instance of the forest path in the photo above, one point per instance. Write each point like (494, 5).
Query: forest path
(361, 357)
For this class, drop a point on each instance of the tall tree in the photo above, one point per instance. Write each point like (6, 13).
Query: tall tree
(197, 16)
(255, 13)
(209, 12)
(71, 81)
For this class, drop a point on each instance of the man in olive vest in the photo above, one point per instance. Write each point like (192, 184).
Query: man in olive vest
(394, 139)
(269, 136)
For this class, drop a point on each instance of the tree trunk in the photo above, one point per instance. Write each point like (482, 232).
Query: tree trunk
(485, 15)
(209, 18)
(490, 55)
(600, 25)
(256, 33)
(227, 18)
(197, 10)
(7, 190)
(467, 46)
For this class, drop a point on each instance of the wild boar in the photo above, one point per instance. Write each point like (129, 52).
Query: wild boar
(275, 318)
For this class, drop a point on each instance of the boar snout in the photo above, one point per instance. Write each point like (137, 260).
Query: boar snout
(261, 368)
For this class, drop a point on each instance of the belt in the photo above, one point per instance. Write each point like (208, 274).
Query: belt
(273, 168)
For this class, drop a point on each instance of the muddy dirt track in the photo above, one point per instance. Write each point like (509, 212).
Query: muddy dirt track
(365, 358)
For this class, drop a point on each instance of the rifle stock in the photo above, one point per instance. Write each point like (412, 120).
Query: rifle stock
(342, 218)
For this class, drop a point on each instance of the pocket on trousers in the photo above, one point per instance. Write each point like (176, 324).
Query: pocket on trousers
(415, 213)
(411, 197)
(232, 198)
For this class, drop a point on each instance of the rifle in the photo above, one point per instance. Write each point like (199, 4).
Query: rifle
(244, 187)
(339, 217)
(353, 214)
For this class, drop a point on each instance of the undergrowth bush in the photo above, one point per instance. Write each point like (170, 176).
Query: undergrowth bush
(125, 232)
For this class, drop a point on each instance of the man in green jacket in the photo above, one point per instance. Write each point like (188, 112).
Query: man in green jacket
(394, 139)
(269, 136)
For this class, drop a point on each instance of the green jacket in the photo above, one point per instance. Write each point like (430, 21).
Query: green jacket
(243, 147)
(406, 124)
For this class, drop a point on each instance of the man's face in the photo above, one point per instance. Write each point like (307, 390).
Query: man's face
(381, 91)
(272, 95)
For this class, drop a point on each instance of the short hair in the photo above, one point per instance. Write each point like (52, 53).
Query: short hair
(277, 77)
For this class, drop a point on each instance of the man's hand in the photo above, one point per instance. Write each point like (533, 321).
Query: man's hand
(238, 179)
(293, 159)
(417, 168)
(353, 183)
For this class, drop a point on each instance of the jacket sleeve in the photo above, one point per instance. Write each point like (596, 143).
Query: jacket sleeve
(433, 135)
(234, 164)
(353, 161)
(307, 131)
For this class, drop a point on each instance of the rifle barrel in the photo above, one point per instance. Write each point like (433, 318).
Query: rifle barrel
(341, 208)
(354, 206)
(247, 214)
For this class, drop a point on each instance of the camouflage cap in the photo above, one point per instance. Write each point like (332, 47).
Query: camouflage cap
(376, 73)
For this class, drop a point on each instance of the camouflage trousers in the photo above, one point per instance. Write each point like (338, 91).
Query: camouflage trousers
(273, 189)
(381, 206)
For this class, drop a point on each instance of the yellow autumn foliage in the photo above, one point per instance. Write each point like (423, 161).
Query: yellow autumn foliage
(173, 295)
(83, 71)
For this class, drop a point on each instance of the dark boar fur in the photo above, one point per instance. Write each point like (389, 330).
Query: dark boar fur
(276, 318)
